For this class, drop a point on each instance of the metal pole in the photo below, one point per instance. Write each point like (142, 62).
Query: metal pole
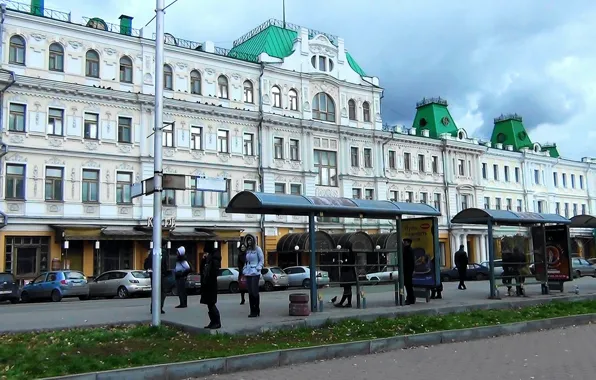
(312, 264)
(491, 261)
(284, 10)
(400, 263)
(157, 164)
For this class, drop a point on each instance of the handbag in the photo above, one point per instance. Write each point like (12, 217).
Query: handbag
(242, 283)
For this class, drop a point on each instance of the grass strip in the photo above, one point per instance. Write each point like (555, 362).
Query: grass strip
(65, 352)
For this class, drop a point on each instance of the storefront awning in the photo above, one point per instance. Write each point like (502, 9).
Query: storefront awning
(132, 233)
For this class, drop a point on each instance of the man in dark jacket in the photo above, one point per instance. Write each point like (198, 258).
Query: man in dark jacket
(409, 263)
(164, 275)
(210, 266)
(461, 262)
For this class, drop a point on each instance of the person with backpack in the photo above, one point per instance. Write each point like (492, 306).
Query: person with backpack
(148, 265)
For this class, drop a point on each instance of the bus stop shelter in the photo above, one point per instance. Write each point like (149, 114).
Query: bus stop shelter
(583, 221)
(250, 202)
(494, 218)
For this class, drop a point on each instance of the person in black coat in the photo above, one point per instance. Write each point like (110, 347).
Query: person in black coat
(347, 278)
(461, 262)
(241, 263)
(437, 291)
(409, 263)
(148, 265)
(181, 272)
(210, 266)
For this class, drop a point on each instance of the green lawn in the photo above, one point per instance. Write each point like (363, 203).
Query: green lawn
(27, 356)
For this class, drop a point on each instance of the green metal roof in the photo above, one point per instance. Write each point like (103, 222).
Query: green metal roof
(552, 150)
(433, 115)
(355, 66)
(510, 130)
(273, 40)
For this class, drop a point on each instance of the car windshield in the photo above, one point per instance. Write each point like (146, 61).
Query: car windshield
(6, 277)
(277, 270)
(140, 274)
(74, 275)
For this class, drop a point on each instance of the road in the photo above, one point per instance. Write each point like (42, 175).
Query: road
(547, 355)
(274, 306)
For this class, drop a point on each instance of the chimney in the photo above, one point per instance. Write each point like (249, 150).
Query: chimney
(37, 7)
(125, 25)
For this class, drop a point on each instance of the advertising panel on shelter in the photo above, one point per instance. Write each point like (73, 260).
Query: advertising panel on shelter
(558, 252)
(424, 233)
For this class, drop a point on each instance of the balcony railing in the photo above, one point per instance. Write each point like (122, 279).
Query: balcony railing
(37, 11)
(509, 116)
(99, 24)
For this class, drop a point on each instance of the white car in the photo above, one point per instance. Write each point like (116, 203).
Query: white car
(300, 276)
(387, 274)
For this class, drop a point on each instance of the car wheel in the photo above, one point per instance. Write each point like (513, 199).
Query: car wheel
(306, 283)
(374, 280)
(122, 292)
(480, 277)
(25, 297)
(578, 274)
(56, 296)
(234, 287)
(268, 286)
(14, 300)
(445, 279)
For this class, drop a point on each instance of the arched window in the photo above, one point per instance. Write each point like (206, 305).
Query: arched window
(366, 112)
(56, 59)
(16, 52)
(168, 77)
(323, 107)
(195, 82)
(248, 92)
(352, 109)
(125, 70)
(293, 99)
(92, 64)
(222, 87)
(276, 93)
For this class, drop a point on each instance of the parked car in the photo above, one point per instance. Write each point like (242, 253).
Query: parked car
(193, 283)
(582, 267)
(56, 285)
(300, 276)
(121, 284)
(275, 277)
(388, 273)
(9, 288)
(498, 271)
(227, 279)
(475, 272)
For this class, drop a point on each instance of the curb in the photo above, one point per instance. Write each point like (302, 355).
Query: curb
(251, 362)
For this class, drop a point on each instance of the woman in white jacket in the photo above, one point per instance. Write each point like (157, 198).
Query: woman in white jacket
(255, 261)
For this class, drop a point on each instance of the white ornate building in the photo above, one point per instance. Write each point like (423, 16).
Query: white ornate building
(286, 110)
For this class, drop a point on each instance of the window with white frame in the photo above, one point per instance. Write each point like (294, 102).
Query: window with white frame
(558, 208)
(537, 176)
(517, 175)
(573, 181)
(356, 193)
(394, 195)
(280, 188)
(484, 171)
(496, 172)
(564, 180)
(323, 107)
(464, 201)
(168, 136)
(410, 196)
(91, 126)
(222, 87)
(168, 77)
(366, 112)
(509, 204)
(421, 163)
(542, 206)
(435, 164)
(352, 109)
(195, 82)
(125, 70)
(56, 57)
(168, 197)
(497, 203)
(248, 92)
(461, 167)
(566, 210)
(278, 148)
(437, 202)
(223, 141)
(90, 186)
(555, 179)
(293, 99)
(196, 138)
(16, 50)
(250, 185)
(294, 150)
(197, 196)
(123, 187)
(17, 117)
(423, 197)
(55, 122)
(574, 209)
(369, 194)
(92, 64)
(392, 160)
(248, 144)
(520, 205)
(15, 181)
(54, 184)
(296, 189)
(354, 157)
(487, 203)
(326, 167)
(407, 161)
(506, 173)
(276, 95)
(125, 130)
(581, 182)
(584, 211)
(367, 153)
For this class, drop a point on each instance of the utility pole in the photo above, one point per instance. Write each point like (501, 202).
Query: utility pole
(284, 12)
(157, 164)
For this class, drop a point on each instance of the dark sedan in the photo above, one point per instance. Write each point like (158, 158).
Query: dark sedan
(475, 272)
(9, 288)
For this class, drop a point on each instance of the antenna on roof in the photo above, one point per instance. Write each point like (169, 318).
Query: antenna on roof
(284, 12)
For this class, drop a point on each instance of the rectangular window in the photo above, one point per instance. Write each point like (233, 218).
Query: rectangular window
(367, 158)
(91, 131)
(424, 198)
(517, 175)
(537, 176)
(564, 180)
(497, 203)
(421, 163)
(496, 172)
(280, 188)
(296, 189)
(461, 168)
(581, 182)
(15, 181)
(123, 187)
(392, 159)
(249, 144)
(369, 194)
(223, 141)
(168, 197)
(573, 181)
(125, 130)
(574, 209)
(16, 117)
(197, 196)
(407, 162)
(506, 168)
(509, 204)
(278, 148)
(356, 193)
(55, 122)
(584, 209)
(410, 196)
(168, 136)
(484, 171)
(294, 150)
(435, 164)
(326, 167)
(555, 179)
(558, 208)
(196, 138)
(520, 205)
(541, 206)
(464, 202)
(437, 202)
(566, 210)
(90, 186)
(394, 195)
(54, 184)
(354, 157)
(487, 203)
(250, 186)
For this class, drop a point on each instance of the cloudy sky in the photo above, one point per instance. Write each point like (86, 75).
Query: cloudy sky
(533, 57)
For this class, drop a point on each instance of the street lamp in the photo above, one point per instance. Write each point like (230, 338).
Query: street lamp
(65, 254)
(97, 259)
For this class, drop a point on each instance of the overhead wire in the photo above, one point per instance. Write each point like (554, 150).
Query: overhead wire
(167, 6)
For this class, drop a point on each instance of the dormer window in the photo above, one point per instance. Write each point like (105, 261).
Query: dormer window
(322, 63)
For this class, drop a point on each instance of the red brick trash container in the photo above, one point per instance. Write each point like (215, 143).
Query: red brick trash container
(299, 305)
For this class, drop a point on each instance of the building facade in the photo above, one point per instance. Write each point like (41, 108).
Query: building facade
(286, 110)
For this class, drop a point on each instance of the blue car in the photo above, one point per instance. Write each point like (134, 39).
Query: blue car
(56, 285)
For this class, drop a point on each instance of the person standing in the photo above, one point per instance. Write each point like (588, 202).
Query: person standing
(347, 278)
(181, 272)
(461, 262)
(255, 261)
(210, 266)
(148, 265)
(241, 278)
(409, 262)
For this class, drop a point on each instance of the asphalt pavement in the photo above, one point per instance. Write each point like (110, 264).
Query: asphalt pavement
(274, 308)
(547, 355)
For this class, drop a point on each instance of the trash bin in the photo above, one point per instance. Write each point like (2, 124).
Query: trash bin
(299, 305)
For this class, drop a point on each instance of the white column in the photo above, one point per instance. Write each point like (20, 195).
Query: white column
(482, 239)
